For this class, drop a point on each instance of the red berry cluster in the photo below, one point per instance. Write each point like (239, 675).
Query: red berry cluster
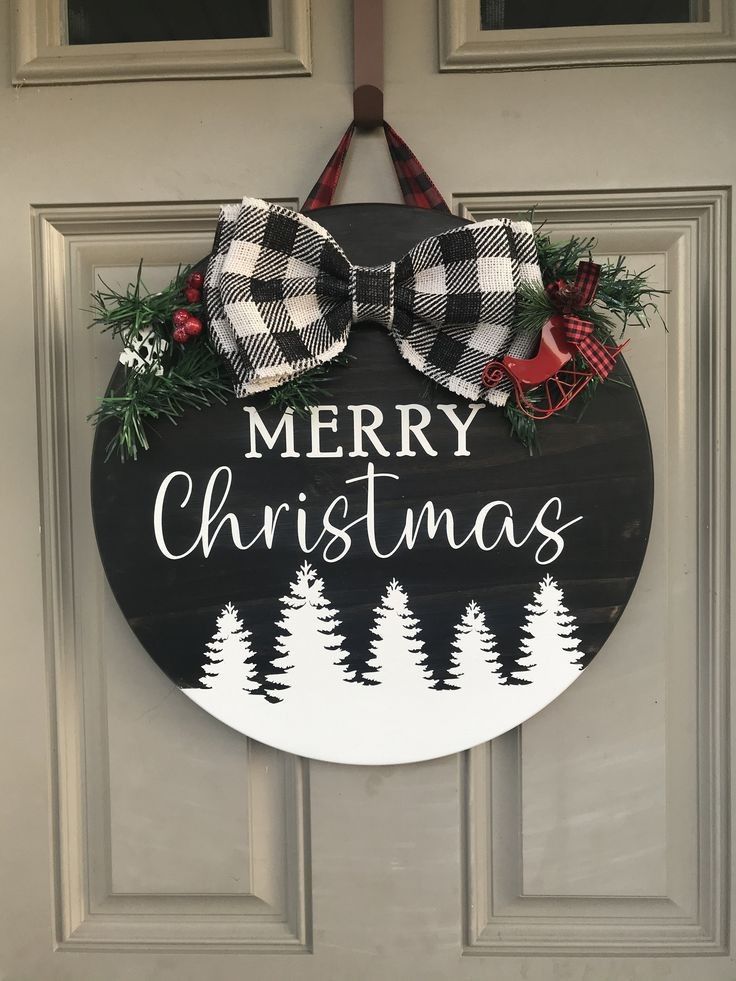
(186, 325)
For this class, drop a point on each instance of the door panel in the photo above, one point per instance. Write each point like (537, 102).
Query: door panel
(142, 838)
(607, 809)
(167, 833)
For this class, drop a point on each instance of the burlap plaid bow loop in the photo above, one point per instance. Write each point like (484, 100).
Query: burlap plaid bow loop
(282, 295)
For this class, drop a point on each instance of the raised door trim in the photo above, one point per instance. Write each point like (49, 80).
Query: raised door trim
(43, 56)
(463, 46)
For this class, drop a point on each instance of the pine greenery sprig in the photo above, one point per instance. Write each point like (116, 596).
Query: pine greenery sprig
(625, 295)
(621, 296)
(534, 307)
(126, 314)
(178, 377)
(628, 296)
(560, 260)
(194, 381)
(300, 394)
(522, 427)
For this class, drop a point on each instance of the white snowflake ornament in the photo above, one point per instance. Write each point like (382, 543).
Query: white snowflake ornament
(144, 352)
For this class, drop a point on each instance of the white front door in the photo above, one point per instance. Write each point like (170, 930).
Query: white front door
(141, 838)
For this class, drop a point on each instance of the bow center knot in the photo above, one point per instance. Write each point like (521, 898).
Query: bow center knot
(372, 291)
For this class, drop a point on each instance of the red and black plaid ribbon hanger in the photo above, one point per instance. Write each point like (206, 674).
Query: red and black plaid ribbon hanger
(572, 298)
(417, 187)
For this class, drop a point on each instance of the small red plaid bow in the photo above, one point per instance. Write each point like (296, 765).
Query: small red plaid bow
(570, 297)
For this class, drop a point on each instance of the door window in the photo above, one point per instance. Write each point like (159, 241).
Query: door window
(498, 15)
(112, 22)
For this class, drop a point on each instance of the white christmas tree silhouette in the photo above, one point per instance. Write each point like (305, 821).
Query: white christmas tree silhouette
(551, 645)
(228, 655)
(309, 640)
(475, 648)
(396, 649)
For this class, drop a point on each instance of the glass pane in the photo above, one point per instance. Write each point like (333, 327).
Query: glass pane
(112, 21)
(499, 15)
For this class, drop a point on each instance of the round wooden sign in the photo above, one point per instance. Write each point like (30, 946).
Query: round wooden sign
(390, 577)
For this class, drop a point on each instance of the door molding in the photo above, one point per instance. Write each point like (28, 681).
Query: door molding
(463, 46)
(691, 228)
(43, 56)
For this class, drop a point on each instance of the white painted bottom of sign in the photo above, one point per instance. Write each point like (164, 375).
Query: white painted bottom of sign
(363, 726)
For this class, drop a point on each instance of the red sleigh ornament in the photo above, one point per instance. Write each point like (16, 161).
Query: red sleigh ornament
(554, 373)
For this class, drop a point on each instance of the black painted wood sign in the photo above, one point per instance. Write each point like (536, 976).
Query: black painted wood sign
(391, 577)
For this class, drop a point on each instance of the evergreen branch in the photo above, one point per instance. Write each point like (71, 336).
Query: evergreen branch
(196, 381)
(560, 260)
(174, 378)
(628, 296)
(624, 294)
(534, 308)
(126, 314)
(522, 427)
(300, 394)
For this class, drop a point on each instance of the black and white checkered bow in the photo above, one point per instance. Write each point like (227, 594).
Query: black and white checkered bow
(281, 296)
